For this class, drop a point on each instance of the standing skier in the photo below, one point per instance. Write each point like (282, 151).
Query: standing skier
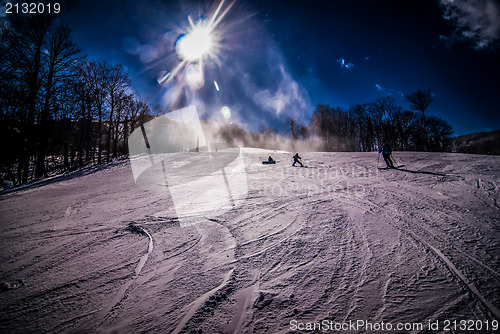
(386, 153)
(296, 158)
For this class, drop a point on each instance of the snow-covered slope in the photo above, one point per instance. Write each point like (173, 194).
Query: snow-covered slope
(339, 241)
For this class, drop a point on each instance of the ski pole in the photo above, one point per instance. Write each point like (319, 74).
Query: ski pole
(395, 161)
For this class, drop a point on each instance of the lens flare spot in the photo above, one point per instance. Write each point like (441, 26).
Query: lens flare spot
(226, 112)
(216, 85)
(163, 77)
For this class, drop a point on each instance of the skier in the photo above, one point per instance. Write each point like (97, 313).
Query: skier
(386, 153)
(296, 158)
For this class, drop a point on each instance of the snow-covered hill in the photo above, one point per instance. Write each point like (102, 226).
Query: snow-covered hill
(335, 244)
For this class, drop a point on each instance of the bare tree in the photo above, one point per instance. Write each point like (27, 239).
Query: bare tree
(61, 55)
(292, 128)
(362, 126)
(439, 134)
(12, 105)
(420, 101)
(116, 84)
(96, 75)
(121, 119)
(30, 32)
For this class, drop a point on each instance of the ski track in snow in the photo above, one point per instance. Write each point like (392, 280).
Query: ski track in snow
(459, 274)
(123, 289)
(340, 241)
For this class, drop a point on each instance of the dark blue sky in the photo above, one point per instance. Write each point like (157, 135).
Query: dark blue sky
(279, 58)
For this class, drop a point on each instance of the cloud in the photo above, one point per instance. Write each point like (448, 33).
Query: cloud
(265, 93)
(389, 91)
(476, 20)
(285, 97)
(256, 82)
(345, 64)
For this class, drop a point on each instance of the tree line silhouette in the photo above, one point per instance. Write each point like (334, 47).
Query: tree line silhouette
(363, 126)
(360, 128)
(57, 108)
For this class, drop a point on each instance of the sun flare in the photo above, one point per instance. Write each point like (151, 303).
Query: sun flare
(200, 42)
(195, 44)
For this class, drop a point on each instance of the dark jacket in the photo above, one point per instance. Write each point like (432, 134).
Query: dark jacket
(386, 149)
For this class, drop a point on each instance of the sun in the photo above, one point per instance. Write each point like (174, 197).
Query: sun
(199, 42)
(195, 44)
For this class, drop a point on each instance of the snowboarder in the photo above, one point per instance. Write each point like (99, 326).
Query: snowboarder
(270, 161)
(386, 153)
(296, 158)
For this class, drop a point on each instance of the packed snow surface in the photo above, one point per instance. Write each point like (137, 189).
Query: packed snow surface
(340, 241)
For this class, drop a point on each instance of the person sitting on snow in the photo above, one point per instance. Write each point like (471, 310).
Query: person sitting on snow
(270, 160)
(386, 153)
(296, 158)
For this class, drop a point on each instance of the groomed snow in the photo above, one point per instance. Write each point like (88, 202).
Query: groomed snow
(340, 240)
